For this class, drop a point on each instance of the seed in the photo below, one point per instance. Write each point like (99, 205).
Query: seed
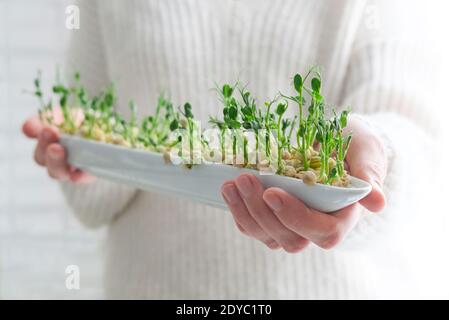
(299, 175)
(84, 131)
(216, 156)
(183, 123)
(309, 177)
(98, 134)
(315, 162)
(116, 139)
(289, 171)
(135, 132)
(263, 164)
(297, 163)
(286, 155)
(167, 157)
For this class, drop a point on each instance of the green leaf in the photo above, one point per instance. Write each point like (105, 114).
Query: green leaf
(285, 124)
(188, 110)
(109, 98)
(232, 113)
(247, 125)
(232, 102)
(245, 97)
(247, 111)
(316, 84)
(174, 125)
(227, 91)
(347, 143)
(297, 82)
(280, 110)
(233, 124)
(344, 118)
(302, 129)
(255, 125)
(63, 101)
(320, 135)
(59, 89)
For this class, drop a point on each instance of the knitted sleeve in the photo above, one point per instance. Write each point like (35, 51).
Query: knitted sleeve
(98, 203)
(385, 82)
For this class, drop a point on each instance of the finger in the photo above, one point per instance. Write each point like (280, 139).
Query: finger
(367, 161)
(251, 191)
(325, 230)
(46, 136)
(56, 162)
(242, 216)
(32, 127)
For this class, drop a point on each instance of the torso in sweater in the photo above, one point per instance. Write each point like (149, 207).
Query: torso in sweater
(167, 247)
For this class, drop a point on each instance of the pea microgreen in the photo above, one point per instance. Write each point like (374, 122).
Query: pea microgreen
(316, 155)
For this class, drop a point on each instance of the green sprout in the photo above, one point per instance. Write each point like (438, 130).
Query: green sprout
(281, 139)
(250, 121)
(316, 155)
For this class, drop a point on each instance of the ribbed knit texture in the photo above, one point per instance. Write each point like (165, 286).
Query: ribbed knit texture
(165, 247)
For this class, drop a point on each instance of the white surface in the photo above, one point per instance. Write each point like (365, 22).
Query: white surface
(39, 237)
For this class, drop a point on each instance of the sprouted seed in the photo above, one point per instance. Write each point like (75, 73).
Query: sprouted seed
(309, 145)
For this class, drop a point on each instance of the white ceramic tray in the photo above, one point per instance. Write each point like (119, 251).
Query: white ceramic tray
(148, 171)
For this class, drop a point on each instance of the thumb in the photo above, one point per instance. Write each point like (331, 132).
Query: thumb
(367, 160)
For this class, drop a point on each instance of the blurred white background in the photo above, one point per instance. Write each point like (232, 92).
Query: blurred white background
(39, 237)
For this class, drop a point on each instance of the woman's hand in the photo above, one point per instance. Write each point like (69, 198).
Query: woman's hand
(280, 220)
(50, 154)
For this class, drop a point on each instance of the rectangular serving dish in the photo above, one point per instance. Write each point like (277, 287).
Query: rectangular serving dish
(148, 171)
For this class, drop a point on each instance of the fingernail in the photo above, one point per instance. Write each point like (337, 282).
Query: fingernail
(230, 194)
(273, 201)
(245, 186)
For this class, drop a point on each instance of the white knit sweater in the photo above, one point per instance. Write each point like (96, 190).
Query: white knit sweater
(167, 247)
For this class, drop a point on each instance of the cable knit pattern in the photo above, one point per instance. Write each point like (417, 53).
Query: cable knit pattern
(164, 247)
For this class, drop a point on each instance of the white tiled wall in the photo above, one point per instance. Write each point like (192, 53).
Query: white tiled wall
(38, 235)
